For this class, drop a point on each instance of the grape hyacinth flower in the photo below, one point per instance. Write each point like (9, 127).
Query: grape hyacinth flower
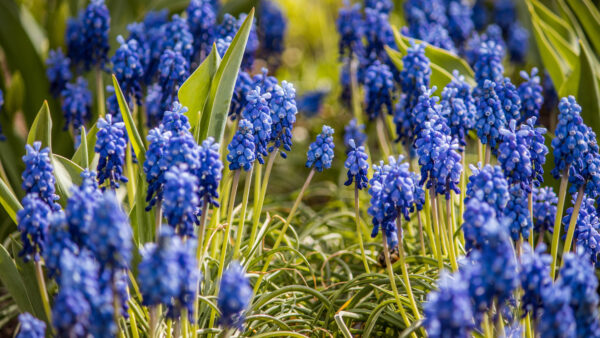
(153, 105)
(534, 138)
(179, 38)
(516, 214)
(378, 31)
(128, 68)
(489, 64)
(517, 42)
(243, 85)
(448, 311)
(58, 240)
(419, 12)
(534, 276)
(180, 200)
(357, 165)
(427, 110)
(320, 152)
(75, 40)
(510, 100)
(415, 74)
(433, 33)
(272, 28)
(235, 294)
(242, 148)
(458, 108)
(460, 24)
(201, 19)
(514, 156)
(490, 115)
(354, 131)
(38, 176)
(584, 174)
(570, 144)
(175, 121)
(95, 23)
(382, 213)
(110, 144)
(57, 71)
(530, 92)
(544, 209)
(283, 116)
(76, 104)
(556, 319)
(476, 215)
(80, 207)
(310, 102)
(379, 89)
(398, 189)
(30, 327)
(33, 222)
(383, 6)
(189, 277)
(257, 111)
(154, 165)
(587, 228)
(489, 185)
(173, 71)
(350, 27)
(223, 44)
(210, 171)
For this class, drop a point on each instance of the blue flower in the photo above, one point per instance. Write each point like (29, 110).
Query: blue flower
(180, 200)
(384, 6)
(320, 152)
(490, 115)
(210, 171)
(579, 278)
(530, 92)
(38, 176)
(201, 19)
(427, 110)
(379, 89)
(354, 131)
(544, 209)
(533, 137)
(95, 22)
(30, 327)
(518, 42)
(357, 165)
(556, 319)
(460, 24)
(175, 121)
(480, 15)
(398, 188)
(510, 100)
(418, 12)
(458, 108)
(243, 85)
(75, 40)
(128, 69)
(350, 27)
(179, 38)
(110, 145)
(235, 294)
(378, 31)
(514, 156)
(153, 105)
(570, 143)
(489, 185)
(534, 275)
(516, 214)
(257, 111)
(311, 102)
(488, 65)
(585, 171)
(229, 27)
(173, 71)
(242, 148)
(448, 311)
(153, 165)
(76, 104)
(33, 222)
(431, 32)
(80, 208)
(272, 28)
(505, 13)
(587, 227)
(283, 116)
(265, 81)
(223, 44)
(111, 243)
(189, 277)
(476, 215)
(57, 71)
(58, 239)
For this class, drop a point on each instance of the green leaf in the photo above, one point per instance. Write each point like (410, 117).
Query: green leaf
(12, 281)
(41, 129)
(9, 201)
(193, 93)
(588, 95)
(554, 21)
(90, 141)
(144, 219)
(589, 17)
(439, 76)
(27, 272)
(67, 173)
(134, 135)
(550, 58)
(224, 81)
(568, 53)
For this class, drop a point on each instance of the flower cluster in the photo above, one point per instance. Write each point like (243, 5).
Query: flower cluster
(357, 165)
(534, 276)
(354, 131)
(414, 76)
(272, 29)
(258, 113)
(180, 200)
(570, 144)
(379, 89)
(514, 156)
(31, 327)
(178, 37)
(556, 319)
(510, 100)
(76, 104)
(448, 311)
(243, 85)
(201, 19)
(110, 145)
(95, 25)
(489, 63)
(489, 185)
(154, 164)
(585, 171)
(57, 71)
(283, 116)
(210, 171)
(530, 92)
(242, 148)
(173, 69)
(516, 214)
(458, 108)
(544, 209)
(58, 239)
(234, 297)
(320, 152)
(80, 208)
(534, 138)
(38, 176)
(350, 25)
(382, 212)
(476, 215)
(33, 222)
(127, 67)
(587, 227)
(490, 115)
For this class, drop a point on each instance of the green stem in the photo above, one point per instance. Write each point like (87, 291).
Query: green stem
(390, 271)
(557, 220)
(153, 320)
(132, 320)
(573, 222)
(381, 137)
(240, 232)
(169, 327)
(263, 191)
(359, 230)
(451, 241)
(100, 92)
(157, 219)
(402, 261)
(421, 238)
(39, 275)
(488, 154)
(436, 225)
(530, 206)
(463, 186)
(284, 228)
(480, 151)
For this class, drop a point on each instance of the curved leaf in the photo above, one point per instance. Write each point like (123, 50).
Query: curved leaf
(9, 201)
(552, 62)
(589, 17)
(132, 132)
(41, 129)
(588, 95)
(12, 281)
(554, 21)
(86, 149)
(67, 173)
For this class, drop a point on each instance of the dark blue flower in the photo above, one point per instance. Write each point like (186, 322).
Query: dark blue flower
(534, 138)
(556, 318)
(80, 208)
(460, 24)
(489, 185)
(257, 111)
(201, 19)
(283, 116)
(448, 311)
(111, 243)
(544, 209)
(33, 222)
(534, 275)
(354, 131)
(272, 28)
(458, 108)
(320, 152)
(516, 214)
(128, 69)
(242, 148)
(180, 200)
(30, 327)
(110, 145)
(505, 13)
(189, 277)
(418, 12)
(587, 228)
(530, 92)
(398, 189)
(210, 171)
(427, 110)
(179, 38)
(510, 100)
(229, 27)
(384, 6)
(350, 27)
(154, 167)
(356, 163)
(38, 176)
(310, 103)
(488, 65)
(379, 89)
(153, 105)
(383, 213)
(173, 71)
(75, 40)
(243, 85)
(175, 121)
(57, 71)
(95, 22)
(378, 31)
(518, 42)
(570, 143)
(58, 239)
(490, 115)
(585, 171)
(514, 156)
(76, 104)
(480, 15)
(431, 32)
(223, 44)
(235, 294)
(476, 215)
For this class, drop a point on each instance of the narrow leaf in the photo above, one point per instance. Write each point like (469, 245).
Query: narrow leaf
(41, 129)
(9, 202)
(27, 272)
(567, 52)
(554, 21)
(134, 135)
(67, 173)
(552, 62)
(12, 281)
(589, 17)
(589, 95)
(90, 142)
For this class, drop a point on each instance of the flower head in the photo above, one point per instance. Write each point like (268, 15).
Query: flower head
(320, 153)
(175, 121)
(38, 176)
(510, 100)
(379, 89)
(272, 28)
(180, 200)
(488, 65)
(517, 42)
(426, 110)
(350, 27)
(210, 171)
(189, 277)
(357, 165)
(128, 69)
(534, 275)
(384, 6)
(201, 19)
(58, 239)
(153, 105)
(111, 145)
(173, 71)
(80, 208)
(223, 44)
(242, 148)
(154, 167)
(382, 212)
(31, 327)
(76, 104)
(179, 38)
(398, 188)
(234, 297)
(33, 222)
(476, 215)
(460, 24)
(530, 92)
(587, 228)
(415, 74)
(533, 137)
(570, 143)
(283, 116)
(378, 31)
(75, 40)
(95, 22)
(544, 209)
(243, 85)
(458, 108)
(556, 319)
(354, 131)
(516, 214)
(514, 156)
(585, 171)
(489, 185)
(490, 116)
(57, 71)
(257, 111)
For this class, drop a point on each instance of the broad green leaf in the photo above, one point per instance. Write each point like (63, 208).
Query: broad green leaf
(438, 56)
(134, 135)
(12, 281)
(588, 94)
(193, 93)
(439, 76)
(571, 84)
(90, 142)
(550, 58)
(67, 173)
(9, 201)
(567, 52)
(27, 272)
(41, 129)
(589, 17)
(224, 81)
(554, 21)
